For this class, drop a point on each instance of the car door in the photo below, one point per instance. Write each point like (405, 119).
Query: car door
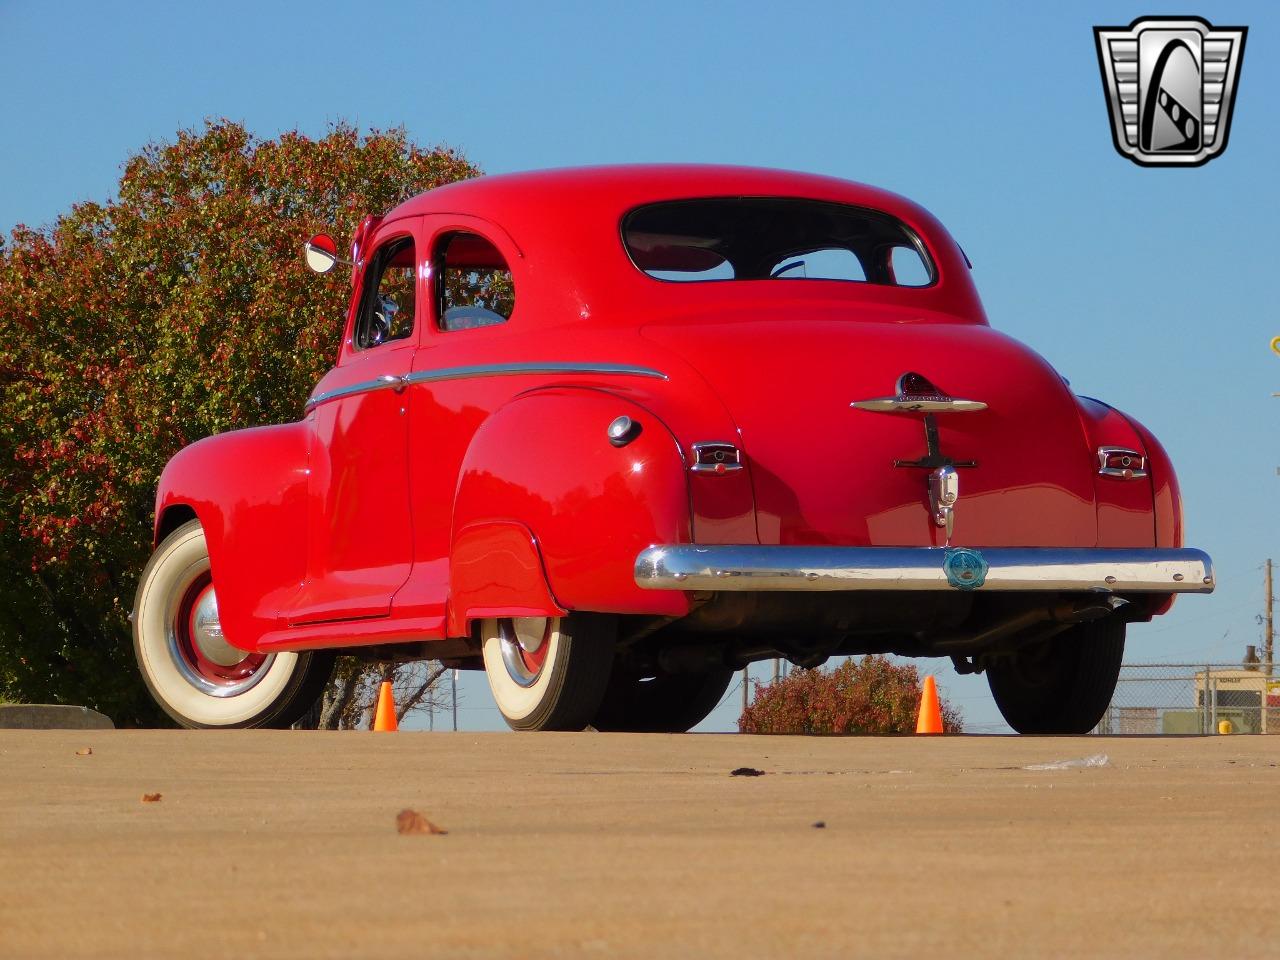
(360, 543)
(472, 290)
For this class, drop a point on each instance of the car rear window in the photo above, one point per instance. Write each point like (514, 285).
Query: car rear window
(774, 238)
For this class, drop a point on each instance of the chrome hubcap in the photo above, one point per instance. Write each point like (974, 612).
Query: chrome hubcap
(524, 642)
(197, 646)
(531, 632)
(206, 632)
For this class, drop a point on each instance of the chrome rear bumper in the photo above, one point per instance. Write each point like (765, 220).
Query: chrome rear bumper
(1045, 569)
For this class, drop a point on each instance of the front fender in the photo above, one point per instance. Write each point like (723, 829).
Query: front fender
(544, 461)
(248, 488)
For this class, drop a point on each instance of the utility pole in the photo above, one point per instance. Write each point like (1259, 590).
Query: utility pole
(745, 680)
(1268, 634)
(453, 681)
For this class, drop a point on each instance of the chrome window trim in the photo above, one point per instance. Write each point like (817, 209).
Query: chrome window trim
(389, 382)
(1065, 569)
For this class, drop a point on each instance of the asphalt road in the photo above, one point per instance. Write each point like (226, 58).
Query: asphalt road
(564, 845)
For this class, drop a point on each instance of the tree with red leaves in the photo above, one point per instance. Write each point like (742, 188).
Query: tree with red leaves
(132, 328)
(869, 696)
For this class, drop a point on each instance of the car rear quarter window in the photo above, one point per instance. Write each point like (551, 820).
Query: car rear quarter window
(473, 283)
(773, 238)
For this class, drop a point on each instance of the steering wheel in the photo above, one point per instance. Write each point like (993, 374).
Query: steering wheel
(380, 324)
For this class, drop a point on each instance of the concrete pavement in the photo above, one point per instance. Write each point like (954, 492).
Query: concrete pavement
(284, 844)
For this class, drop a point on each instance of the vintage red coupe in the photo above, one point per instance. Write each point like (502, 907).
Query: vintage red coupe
(612, 433)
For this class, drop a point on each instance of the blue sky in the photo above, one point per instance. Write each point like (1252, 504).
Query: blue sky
(1152, 289)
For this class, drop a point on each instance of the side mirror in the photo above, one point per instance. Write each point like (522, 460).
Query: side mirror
(321, 253)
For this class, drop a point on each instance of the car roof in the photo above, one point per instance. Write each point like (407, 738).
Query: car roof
(568, 222)
(619, 188)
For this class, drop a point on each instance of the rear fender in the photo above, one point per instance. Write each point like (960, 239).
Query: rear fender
(1125, 517)
(495, 570)
(1127, 507)
(248, 489)
(543, 464)
(1164, 483)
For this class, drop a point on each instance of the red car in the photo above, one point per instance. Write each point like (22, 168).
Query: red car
(613, 433)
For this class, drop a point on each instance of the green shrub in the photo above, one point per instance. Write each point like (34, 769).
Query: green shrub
(871, 695)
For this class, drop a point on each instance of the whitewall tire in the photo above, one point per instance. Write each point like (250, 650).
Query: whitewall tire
(196, 676)
(548, 673)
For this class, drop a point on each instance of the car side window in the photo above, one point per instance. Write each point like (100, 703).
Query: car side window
(388, 304)
(473, 283)
(909, 268)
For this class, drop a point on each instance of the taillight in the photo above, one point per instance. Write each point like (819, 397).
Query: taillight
(1121, 462)
(716, 458)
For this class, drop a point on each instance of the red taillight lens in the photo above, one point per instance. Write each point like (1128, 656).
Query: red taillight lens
(716, 458)
(1121, 462)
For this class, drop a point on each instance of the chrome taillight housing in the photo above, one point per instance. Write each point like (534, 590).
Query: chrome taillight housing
(716, 458)
(1121, 462)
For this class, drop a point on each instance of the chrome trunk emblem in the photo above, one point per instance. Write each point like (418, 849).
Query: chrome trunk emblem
(915, 394)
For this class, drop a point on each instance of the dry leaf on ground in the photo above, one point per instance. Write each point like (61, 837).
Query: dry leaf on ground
(411, 821)
(84, 752)
(151, 797)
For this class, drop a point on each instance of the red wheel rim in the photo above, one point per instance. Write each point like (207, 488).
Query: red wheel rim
(195, 601)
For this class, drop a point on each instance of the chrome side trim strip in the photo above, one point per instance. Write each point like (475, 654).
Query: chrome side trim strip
(520, 369)
(387, 382)
(746, 568)
(482, 370)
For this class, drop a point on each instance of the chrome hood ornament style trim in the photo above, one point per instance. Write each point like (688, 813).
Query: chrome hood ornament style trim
(918, 405)
(915, 394)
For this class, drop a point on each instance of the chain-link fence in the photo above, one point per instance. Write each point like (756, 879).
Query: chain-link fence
(1192, 698)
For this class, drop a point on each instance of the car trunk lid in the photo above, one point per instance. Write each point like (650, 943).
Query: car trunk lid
(824, 472)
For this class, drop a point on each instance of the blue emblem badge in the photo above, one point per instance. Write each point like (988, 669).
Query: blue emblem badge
(965, 568)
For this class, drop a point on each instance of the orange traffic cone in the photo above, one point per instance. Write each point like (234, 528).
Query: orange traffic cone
(930, 718)
(384, 718)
